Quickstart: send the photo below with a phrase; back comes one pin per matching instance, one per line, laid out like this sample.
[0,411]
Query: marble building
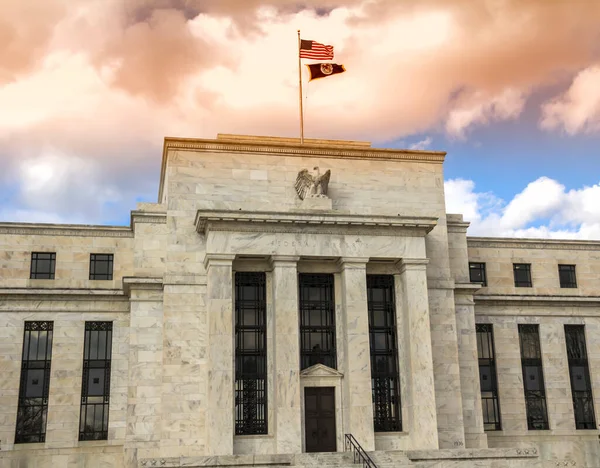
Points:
[280,296]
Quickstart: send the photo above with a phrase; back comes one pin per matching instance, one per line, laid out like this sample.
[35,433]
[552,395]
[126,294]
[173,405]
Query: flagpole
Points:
[300,91]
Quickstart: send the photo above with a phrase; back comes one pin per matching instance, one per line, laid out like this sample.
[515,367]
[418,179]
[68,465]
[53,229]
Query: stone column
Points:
[287,414]
[475,436]
[421,406]
[220,355]
[358,399]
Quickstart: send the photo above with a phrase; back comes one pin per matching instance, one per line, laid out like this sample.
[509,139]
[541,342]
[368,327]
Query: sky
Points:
[509,88]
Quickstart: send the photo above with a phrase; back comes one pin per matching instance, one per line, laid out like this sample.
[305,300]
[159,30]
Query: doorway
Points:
[319,408]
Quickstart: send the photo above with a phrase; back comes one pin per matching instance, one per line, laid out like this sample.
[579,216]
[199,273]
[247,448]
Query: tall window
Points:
[95,387]
[101,266]
[477,273]
[42,265]
[35,382]
[317,320]
[250,354]
[579,372]
[490,404]
[522,274]
[566,275]
[533,377]
[385,377]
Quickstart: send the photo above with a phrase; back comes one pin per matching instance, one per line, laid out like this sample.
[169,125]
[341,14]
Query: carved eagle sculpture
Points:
[308,185]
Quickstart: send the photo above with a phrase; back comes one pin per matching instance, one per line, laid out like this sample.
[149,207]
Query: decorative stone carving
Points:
[312,186]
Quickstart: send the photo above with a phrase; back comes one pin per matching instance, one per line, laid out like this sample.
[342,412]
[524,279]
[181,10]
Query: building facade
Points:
[280,296]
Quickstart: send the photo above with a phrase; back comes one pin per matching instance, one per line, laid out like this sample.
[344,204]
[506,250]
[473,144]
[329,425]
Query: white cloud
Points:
[422,145]
[480,109]
[542,209]
[577,110]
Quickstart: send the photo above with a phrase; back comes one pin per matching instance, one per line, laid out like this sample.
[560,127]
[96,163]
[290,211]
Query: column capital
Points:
[217,259]
[284,261]
[355,263]
[419,264]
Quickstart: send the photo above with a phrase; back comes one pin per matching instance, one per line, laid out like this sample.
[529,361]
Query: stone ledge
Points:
[59,293]
[518,299]
[472,454]
[132,282]
[299,219]
[76,230]
[521,243]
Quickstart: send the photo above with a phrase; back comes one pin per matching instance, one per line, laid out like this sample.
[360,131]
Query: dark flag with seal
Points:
[323,70]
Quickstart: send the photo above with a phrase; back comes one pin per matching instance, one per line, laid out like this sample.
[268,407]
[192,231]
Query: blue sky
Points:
[509,89]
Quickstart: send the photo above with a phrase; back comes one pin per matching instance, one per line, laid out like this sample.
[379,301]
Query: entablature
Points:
[310,222]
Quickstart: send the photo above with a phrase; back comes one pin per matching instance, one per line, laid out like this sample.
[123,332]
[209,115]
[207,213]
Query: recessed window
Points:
[566,274]
[522,274]
[477,273]
[533,377]
[43,265]
[490,404]
[579,372]
[101,266]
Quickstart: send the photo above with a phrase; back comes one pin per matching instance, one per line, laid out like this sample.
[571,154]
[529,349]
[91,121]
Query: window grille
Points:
[101,266]
[533,377]
[566,275]
[490,403]
[385,377]
[579,373]
[250,354]
[34,387]
[477,273]
[522,275]
[43,265]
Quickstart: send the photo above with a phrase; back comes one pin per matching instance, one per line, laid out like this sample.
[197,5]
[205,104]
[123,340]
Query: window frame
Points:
[522,284]
[533,397]
[94,261]
[494,423]
[482,270]
[570,271]
[34,272]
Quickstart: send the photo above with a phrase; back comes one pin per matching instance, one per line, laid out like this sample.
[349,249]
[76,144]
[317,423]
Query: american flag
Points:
[315,50]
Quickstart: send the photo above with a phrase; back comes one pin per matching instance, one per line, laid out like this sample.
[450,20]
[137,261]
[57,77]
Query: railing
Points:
[360,456]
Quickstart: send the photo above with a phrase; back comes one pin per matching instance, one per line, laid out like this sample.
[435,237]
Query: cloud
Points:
[544,208]
[577,110]
[422,145]
[102,82]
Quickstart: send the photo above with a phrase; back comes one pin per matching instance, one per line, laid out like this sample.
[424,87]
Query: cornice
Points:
[140,283]
[520,243]
[321,222]
[287,148]
[525,300]
[57,294]
[74,230]
[149,217]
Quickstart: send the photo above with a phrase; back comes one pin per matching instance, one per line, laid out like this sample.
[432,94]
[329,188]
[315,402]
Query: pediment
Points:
[320,370]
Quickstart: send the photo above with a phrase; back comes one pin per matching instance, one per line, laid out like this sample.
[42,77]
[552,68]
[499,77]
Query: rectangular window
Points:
[579,372]
[477,273]
[35,383]
[42,265]
[385,377]
[101,266]
[490,403]
[317,320]
[95,386]
[522,274]
[250,353]
[566,274]
[533,377]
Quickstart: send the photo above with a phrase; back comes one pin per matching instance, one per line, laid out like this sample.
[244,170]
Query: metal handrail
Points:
[358,452]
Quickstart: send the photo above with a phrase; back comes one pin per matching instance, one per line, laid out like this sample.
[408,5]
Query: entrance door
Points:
[319,406]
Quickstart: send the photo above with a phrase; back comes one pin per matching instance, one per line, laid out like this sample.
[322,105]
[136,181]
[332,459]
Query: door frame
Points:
[320,375]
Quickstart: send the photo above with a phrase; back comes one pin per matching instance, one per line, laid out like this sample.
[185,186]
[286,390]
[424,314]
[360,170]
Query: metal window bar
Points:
[533,377]
[35,382]
[250,354]
[385,377]
[490,402]
[95,387]
[43,265]
[522,275]
[477,273]
[317,320]
[359,454]
[101,266]
[579,373]
[566,274]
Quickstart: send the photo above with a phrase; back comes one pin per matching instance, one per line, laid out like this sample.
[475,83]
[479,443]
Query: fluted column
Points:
[358,400]
[288,416]
[422,418]
[220,379]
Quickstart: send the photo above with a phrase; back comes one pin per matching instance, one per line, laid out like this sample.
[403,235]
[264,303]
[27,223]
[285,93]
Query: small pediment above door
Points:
[320,370]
